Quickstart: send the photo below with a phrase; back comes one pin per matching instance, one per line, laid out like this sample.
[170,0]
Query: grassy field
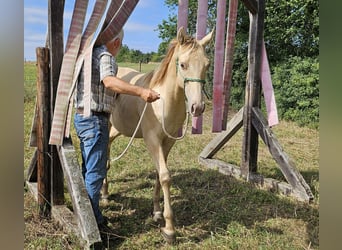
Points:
[212,211]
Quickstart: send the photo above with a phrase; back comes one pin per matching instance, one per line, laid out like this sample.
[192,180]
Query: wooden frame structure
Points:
[254,124]
[51,165]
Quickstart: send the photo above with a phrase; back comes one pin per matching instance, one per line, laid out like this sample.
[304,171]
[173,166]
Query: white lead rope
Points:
[163,127]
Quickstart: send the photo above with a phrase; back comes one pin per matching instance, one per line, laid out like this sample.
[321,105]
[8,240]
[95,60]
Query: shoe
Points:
[106,232]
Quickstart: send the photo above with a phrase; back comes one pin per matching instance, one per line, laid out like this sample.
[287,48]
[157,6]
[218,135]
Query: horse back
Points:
[134,77]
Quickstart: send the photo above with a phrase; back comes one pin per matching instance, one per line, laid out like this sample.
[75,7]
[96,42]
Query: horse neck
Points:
[171,91]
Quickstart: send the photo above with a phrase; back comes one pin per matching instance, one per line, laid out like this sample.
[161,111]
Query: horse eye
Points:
[183,66]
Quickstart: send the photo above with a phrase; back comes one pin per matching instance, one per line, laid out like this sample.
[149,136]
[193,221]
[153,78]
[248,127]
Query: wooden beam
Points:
[258,180]
[287,166]
[56,46]
[217,143]
[80,200]
[251,5]
[31,174]
[43,157]
[253,91]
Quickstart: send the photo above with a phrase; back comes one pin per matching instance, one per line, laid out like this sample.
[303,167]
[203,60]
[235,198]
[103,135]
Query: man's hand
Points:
[149,95]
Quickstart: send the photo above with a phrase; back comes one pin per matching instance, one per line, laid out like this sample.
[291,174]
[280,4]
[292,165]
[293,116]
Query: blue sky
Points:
[140,29]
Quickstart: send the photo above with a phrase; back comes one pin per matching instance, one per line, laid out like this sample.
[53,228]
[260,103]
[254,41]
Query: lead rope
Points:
[163,127]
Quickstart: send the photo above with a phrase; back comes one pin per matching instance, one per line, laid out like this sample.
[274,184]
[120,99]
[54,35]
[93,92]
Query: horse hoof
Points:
[169,237]
[158,217]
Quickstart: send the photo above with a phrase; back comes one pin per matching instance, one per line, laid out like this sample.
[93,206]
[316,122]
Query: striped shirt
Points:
[102,99]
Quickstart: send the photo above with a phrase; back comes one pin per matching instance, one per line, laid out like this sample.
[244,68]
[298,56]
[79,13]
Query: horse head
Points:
[191,66]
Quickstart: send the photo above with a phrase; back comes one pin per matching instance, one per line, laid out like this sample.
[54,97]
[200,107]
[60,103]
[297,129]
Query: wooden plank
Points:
[218,86]
[80,200]
[56,46]
[43,158]
[268,184]
[66,219]
[32,187]
[31,174]
[251,5]
[229,58]
[253,91]
[287,166]
[222,138]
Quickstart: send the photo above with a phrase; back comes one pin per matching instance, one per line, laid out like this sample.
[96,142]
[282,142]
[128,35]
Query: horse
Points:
[179,80]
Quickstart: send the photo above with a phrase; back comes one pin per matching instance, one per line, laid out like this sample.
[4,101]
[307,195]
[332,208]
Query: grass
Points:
[212,211]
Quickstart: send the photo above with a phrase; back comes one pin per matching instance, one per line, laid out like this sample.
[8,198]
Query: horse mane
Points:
[160,72]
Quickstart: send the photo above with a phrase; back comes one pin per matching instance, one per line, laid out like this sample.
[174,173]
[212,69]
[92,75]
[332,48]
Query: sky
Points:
[140,29]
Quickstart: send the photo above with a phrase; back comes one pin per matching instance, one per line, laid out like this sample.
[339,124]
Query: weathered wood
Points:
[258,180]
[56,46]
[229,58]
[287,166]
[80,200]
[218,85]
[66,219]
[217,142]
[251,5]
[31,174]
[43,158]
[60,214]
[253,91]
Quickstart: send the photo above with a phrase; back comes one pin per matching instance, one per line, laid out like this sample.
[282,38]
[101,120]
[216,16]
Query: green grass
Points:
[212,211]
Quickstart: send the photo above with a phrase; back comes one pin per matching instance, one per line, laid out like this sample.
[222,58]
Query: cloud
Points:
[134,26]
[35,15]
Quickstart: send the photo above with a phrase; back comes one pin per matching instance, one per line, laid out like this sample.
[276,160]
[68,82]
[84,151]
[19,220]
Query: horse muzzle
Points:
[197,109]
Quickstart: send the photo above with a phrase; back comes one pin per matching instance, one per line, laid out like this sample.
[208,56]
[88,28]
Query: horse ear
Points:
[206,39]
[181,35]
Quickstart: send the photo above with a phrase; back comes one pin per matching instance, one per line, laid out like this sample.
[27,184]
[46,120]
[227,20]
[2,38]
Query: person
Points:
[93,130]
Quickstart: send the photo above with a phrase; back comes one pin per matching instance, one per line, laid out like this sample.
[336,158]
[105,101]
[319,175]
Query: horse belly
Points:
[125,115]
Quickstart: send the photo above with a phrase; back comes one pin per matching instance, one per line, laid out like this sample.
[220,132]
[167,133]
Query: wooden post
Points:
[229,58]
[253,88]
[43,158]
[55,43]
[201,29]
[218,66]
[183,7]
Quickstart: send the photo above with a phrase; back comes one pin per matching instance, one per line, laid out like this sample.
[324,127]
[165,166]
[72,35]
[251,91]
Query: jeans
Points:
[94,137]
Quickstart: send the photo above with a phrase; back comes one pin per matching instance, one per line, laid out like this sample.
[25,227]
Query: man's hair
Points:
[120,36]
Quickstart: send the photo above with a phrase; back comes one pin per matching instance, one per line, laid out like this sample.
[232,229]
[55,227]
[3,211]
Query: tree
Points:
[291,30]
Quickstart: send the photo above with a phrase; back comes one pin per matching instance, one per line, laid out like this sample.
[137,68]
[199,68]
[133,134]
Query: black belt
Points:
[97,113]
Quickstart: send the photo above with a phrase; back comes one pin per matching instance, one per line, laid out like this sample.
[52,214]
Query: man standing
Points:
[93,130]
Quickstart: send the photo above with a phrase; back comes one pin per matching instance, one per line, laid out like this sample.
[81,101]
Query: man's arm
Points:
[116,84]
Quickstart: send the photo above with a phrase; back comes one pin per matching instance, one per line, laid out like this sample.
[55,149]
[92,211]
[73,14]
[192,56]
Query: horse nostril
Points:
[197,110]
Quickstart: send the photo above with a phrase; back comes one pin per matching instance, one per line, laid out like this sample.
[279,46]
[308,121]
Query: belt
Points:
[97,113]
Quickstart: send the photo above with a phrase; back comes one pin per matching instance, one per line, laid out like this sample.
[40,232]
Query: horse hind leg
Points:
[113,133]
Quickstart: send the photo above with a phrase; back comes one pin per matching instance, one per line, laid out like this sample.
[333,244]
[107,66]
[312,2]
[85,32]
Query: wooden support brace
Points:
[258,180]
[287,166]
[80,200]
[232,127]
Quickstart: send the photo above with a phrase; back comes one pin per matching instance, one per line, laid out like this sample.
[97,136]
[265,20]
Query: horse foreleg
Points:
[157,212]
[168,231]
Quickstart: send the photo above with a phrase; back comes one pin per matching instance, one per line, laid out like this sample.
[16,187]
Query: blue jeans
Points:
[94,137]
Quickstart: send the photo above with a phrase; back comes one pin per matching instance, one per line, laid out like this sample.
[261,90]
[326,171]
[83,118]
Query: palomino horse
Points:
[179,81]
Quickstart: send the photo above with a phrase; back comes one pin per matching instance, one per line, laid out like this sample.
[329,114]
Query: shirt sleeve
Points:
[108,66]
